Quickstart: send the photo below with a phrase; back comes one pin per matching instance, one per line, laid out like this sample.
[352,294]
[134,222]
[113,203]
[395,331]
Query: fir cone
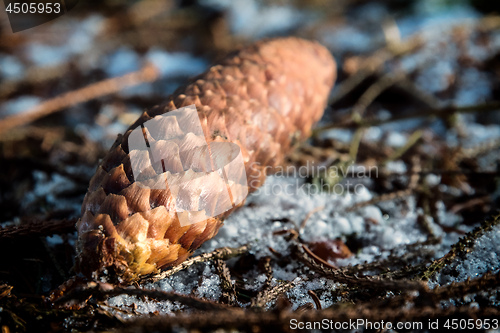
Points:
[260,99]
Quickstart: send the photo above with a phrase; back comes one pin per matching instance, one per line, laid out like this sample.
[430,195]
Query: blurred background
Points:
[447,49]
[422,77]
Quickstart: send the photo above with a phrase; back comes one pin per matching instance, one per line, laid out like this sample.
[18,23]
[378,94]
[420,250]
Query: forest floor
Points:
[393,215]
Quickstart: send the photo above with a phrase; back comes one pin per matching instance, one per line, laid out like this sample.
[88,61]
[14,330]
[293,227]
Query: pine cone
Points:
[262,98]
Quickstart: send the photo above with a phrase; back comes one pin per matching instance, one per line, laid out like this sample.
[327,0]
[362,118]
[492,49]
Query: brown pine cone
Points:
[261,98]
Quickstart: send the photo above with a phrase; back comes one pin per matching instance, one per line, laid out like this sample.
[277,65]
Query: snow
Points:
[373,134]
[437,76]
[432,180]
[435,18]
[475,88]
[10,67]
[383,229]
[210,287]
[476,134]
[256,226]
[46,55]
[484,257]
[176,63]
[342,135]
[82,38]
[372,212]
[54,240]
[396,139]
[254,19]
[396,167]
[19,105]
[49,188]
[350,39]
[122,61]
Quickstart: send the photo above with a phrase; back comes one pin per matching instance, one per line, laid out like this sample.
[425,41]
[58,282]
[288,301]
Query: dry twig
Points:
[147,74]
[222,253]
[37,229]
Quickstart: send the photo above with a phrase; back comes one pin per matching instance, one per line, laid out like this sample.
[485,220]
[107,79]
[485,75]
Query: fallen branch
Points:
[104,291]
[372,283]
[37,229]
[146,74]
[438,113]
[460,248]
[227,285]
[222,253]
[271,295]
[277,320]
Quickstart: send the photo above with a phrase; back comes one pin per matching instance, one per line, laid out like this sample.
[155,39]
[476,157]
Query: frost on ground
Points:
[382,230]
[452,66]
[484,257]
[382,234]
